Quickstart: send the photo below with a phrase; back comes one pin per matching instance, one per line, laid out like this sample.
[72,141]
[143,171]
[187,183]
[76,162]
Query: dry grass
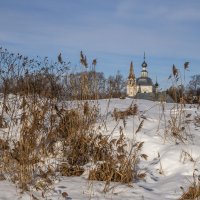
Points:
[197,120]
[130,111]
[52,134]
[193,192]
[45,137]
[47,133]
[57,138]
[119,166]
[176,126]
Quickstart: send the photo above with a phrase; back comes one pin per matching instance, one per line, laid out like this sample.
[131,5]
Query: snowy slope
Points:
[168,167]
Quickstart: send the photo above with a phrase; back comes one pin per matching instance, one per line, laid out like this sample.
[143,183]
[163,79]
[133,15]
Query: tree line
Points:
[24,76]
[39,76]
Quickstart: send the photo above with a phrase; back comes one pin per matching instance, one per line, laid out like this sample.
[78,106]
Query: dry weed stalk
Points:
[161,171]
[185,156]
[177,127]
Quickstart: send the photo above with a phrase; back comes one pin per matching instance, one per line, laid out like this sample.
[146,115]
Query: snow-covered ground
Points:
[170,164]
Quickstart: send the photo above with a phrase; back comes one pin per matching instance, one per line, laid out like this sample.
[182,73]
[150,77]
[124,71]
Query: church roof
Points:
[131,73]
[144,81]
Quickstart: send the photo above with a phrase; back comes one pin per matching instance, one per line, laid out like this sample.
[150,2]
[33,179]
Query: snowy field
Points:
[170,164]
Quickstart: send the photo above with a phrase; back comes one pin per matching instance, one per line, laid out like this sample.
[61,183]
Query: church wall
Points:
[131,91]
[145,89]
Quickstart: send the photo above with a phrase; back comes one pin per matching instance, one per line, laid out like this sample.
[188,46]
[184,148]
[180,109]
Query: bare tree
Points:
[116,85]
[194,85]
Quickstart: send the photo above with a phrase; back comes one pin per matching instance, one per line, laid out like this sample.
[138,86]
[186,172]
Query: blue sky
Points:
[115,32]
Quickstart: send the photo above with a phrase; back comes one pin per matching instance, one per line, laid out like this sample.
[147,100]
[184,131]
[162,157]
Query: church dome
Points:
[156,84]
[144,81]
[144,64]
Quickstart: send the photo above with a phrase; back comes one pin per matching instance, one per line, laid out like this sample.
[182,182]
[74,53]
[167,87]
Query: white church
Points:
[143,84]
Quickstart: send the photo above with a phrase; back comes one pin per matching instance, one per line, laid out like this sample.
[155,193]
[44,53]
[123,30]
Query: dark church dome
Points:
[144,81]
[156,84]
[144,64]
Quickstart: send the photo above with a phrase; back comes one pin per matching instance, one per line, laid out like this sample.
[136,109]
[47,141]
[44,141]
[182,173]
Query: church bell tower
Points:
[131,85]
